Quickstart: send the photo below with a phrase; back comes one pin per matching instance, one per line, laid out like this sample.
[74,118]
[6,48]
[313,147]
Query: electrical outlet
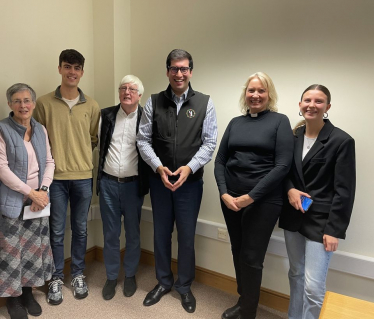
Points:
[222,234]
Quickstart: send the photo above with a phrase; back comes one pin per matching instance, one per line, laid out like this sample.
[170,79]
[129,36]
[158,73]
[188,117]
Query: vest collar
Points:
[20,129]
[169,92]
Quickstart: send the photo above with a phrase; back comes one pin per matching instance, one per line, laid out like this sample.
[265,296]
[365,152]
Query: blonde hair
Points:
[298,125]
[268,84]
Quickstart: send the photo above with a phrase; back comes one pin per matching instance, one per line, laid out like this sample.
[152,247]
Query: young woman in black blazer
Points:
[323,169]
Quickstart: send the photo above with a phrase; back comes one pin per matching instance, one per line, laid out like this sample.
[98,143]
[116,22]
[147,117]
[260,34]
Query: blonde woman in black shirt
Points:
[254,157]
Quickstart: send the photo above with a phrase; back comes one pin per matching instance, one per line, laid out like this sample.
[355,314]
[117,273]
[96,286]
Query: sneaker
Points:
[80,287]
[55,291]
[29,302]
[15,308]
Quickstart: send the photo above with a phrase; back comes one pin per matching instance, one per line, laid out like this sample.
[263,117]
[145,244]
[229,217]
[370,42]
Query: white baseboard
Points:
[349,263]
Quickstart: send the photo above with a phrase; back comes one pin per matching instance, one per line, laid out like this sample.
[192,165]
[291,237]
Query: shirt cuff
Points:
[222,190]
[253,196]
[194,165]
[155,163]
[46,182]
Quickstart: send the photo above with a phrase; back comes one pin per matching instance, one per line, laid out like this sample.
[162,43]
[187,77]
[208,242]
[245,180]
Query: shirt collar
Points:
[184,95]
[123,113]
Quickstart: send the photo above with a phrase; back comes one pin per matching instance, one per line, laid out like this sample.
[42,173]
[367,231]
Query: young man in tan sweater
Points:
[71,119]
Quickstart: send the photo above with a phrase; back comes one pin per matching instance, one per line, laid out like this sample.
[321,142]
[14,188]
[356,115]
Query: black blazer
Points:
[108,120]
[328,175]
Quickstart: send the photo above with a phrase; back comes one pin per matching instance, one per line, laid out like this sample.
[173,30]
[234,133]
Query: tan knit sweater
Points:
[72,133]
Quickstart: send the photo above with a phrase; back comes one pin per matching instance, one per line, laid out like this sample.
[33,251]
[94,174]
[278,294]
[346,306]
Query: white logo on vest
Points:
[190,113]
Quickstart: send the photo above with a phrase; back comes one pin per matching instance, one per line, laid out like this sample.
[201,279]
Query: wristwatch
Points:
[44,188]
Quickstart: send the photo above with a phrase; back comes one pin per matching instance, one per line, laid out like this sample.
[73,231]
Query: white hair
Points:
[132,79]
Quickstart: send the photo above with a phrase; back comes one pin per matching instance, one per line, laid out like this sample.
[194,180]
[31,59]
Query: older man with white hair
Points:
[122,182]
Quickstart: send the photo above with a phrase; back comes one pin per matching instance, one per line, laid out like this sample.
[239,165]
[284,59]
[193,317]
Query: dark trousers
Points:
[250,230]
[181,207]
[117,200]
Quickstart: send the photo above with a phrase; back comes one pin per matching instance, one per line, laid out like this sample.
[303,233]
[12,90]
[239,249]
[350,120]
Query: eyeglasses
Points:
[174,70]
[131,90]
[19,102]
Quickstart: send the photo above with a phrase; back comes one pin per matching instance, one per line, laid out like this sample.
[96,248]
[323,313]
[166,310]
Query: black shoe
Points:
[109,289]
[129,287]
[15,308]
[188,302]
[155,295]
[232,313]
[29,302]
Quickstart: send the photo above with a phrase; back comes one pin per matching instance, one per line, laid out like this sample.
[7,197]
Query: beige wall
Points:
[33,33]
[296,42]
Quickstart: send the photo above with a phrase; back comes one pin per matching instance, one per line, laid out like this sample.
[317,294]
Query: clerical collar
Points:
[257,114]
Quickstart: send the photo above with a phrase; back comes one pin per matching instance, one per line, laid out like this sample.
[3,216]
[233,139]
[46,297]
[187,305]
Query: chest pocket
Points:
[165,125]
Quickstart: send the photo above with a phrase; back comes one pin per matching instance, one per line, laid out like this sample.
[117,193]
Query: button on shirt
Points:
[122,157]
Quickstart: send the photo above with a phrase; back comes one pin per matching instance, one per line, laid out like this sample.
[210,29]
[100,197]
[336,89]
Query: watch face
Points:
[44,188]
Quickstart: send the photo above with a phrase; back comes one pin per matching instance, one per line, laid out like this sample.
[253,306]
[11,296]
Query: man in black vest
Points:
[122,182]
[177,137]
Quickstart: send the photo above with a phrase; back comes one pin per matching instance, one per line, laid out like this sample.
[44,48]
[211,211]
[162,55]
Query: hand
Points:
[35,208]
[39,198]
[243,201]
[165,173]
[230,202]
[294,198]
[183,173]
[330,243]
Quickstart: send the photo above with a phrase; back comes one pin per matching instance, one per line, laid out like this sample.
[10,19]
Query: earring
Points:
[325,115]
[300,114]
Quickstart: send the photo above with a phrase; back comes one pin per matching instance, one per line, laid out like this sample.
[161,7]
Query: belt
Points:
[121,179]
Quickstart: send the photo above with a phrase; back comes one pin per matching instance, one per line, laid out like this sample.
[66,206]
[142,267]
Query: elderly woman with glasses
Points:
[254,157]
[26,171]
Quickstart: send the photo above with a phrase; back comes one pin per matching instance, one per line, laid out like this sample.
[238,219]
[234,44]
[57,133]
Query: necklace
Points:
[309,142]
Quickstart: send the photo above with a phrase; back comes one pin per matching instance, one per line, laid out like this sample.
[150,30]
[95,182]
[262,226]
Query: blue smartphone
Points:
[305,202]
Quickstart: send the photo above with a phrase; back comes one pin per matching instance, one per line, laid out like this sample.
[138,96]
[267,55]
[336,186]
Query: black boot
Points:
[15,308]
[29,302]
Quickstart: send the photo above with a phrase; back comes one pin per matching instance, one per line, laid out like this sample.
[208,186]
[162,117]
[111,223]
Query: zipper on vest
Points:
[175,143]
[170,123]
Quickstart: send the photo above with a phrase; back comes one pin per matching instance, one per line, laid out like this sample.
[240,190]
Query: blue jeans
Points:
[309,263]
[181,207]
[117,200]
[79,192]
